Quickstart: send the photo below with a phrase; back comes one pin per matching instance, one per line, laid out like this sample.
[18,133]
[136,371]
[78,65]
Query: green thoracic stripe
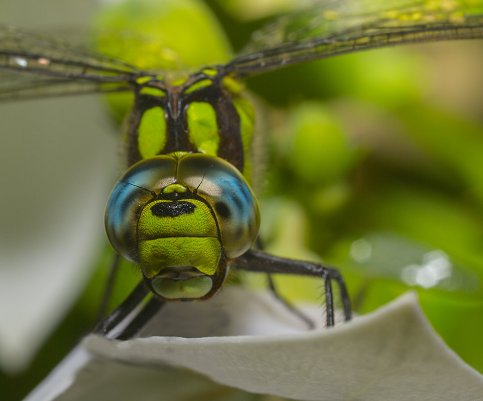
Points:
[210,117]
[203,129]
[246,113]
[152,132]
[198,85]
[152,92]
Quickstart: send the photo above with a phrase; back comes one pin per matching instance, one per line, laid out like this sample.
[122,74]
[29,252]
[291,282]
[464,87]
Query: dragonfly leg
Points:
[134,299]
[273,289]
[258,261]
[143,317]
[109,286]
[287,304]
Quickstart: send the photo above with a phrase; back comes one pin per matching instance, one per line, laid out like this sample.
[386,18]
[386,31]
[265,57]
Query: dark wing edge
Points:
[33,66]
[354,33]
[44,88]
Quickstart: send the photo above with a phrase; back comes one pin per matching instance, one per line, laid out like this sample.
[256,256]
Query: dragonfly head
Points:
[182,217]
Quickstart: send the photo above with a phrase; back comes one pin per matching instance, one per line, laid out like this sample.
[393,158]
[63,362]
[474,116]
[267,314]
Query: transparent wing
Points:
[334,27]
[34,66]
[16,87]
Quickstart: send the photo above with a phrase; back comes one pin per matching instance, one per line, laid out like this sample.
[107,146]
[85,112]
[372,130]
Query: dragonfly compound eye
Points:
[181,217]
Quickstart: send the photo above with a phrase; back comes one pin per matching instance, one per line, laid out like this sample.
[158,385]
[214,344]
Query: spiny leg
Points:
[258,261]
[344,294]
[287,304]
[293,309]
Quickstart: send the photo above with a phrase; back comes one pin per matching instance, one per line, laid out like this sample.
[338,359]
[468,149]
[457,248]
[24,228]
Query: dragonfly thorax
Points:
[205,113]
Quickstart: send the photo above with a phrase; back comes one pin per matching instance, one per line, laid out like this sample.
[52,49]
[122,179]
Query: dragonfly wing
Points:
[344,26]
[35,66]
[17,87]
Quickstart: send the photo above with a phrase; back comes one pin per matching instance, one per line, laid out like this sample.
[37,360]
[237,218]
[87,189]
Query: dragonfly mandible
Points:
[188,194]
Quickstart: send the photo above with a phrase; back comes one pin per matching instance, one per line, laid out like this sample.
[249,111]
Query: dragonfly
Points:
[184,210]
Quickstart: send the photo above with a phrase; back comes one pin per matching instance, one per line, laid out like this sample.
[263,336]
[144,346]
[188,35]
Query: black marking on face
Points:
[172,209]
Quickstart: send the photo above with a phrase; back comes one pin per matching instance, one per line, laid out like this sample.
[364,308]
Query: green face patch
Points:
[165,253]
[178,234]
[164,218]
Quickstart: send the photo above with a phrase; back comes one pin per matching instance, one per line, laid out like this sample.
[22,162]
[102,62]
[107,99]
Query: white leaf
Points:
[391,354]
[57,169]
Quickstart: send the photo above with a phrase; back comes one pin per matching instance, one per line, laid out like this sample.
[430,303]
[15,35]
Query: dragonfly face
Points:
[182,216]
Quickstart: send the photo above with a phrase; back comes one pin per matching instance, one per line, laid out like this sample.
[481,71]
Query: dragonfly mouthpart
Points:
[181,283]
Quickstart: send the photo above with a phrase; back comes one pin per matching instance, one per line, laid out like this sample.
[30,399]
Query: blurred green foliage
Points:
[372,172]
[366,169]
